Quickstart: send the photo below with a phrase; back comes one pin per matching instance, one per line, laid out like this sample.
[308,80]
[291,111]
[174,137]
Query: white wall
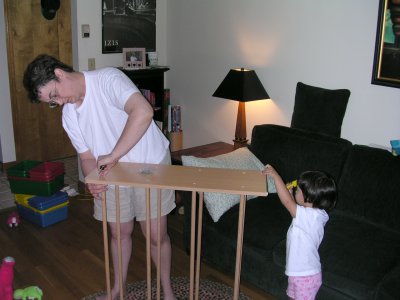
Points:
[319,42]
[6,125]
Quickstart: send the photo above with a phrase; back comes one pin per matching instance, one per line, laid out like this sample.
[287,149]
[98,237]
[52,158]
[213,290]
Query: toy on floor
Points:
[29,293]
[13,219]
[6,278]
[70,191]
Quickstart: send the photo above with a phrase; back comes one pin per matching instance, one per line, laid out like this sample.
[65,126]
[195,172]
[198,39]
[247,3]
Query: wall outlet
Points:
[91,64]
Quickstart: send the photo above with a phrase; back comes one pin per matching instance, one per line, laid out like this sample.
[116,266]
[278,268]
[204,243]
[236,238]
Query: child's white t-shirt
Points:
[97,124]
[303,239]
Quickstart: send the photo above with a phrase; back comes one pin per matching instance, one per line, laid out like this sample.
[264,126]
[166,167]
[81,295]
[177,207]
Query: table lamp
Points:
[241,85]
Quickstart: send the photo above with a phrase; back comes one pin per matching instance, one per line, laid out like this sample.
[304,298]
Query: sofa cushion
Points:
[369,186]
[357,255]
[319,110]
[292,151]
[389,286]
[218,203]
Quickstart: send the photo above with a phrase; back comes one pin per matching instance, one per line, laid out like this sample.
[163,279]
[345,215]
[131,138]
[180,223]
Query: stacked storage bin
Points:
[36,186]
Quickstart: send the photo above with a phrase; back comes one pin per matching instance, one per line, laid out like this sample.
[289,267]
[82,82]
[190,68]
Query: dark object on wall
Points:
[319,110]
[49,8]
[386,67]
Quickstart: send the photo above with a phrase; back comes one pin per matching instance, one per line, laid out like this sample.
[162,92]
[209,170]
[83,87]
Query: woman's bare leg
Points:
[165,244]
[126,249]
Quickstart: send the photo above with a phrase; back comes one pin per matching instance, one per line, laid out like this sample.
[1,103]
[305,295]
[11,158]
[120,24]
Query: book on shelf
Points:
[151,97]
[165,113]
[174,120]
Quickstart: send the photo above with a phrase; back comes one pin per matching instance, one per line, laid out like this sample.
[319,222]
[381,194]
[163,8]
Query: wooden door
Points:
[38,131]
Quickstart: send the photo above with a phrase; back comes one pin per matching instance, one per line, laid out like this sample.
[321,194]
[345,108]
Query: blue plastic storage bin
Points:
[43,202]
[44,219]
[43,211]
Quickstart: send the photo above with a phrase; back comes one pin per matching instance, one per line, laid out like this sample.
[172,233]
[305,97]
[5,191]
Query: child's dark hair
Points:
[319,188]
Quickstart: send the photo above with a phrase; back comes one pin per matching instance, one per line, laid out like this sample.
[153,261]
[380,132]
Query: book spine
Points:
[176,118]
[150,96]
[166,104]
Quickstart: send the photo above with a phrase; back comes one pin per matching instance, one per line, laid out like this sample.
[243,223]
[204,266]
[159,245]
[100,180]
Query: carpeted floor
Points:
[209,290]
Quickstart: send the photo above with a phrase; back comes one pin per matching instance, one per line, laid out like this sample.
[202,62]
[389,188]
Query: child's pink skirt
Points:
[304,287]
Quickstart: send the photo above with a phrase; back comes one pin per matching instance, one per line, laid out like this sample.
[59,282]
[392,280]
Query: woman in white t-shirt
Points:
[307,202]
[108,120]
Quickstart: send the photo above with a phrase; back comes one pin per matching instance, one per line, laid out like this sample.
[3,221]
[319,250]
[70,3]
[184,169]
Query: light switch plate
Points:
[85,30]
[91,64]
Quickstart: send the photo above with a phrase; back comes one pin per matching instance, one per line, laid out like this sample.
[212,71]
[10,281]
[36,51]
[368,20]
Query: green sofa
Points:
[360,252]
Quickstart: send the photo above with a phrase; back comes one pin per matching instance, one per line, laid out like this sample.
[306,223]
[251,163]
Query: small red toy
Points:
[6,278]
[13,219]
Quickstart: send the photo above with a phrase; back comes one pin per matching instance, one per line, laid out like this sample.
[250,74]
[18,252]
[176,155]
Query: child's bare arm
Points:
[284,195]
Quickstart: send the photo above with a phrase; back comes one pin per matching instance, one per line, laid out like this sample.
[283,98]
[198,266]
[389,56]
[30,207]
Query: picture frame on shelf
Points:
[134,58]
[386,67]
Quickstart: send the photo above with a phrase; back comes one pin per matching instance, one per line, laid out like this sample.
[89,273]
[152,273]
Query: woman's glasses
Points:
[52,104]
[53,98]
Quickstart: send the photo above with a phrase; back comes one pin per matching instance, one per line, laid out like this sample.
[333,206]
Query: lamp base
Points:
[240,133]
[239,143]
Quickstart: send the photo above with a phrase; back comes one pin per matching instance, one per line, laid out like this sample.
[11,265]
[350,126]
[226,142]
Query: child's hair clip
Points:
[291,185]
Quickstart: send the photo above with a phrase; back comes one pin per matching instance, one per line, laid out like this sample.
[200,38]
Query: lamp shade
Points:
[241,85]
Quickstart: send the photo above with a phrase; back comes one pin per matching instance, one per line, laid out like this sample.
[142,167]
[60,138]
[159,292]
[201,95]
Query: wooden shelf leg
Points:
[148,239]
[105,241]
[158,244]
[118,220]
[239,246]
[192,245]
[198,254]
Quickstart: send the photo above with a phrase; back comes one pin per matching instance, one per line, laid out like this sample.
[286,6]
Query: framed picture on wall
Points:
[128,22]
[386,67]
[134,58]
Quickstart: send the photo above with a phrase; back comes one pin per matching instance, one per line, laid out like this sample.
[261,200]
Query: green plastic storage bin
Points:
[22,169]
[39,188]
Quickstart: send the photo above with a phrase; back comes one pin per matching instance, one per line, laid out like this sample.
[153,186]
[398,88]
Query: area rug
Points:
[209,290]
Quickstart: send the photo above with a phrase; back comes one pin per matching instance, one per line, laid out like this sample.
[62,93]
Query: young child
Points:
[308,204]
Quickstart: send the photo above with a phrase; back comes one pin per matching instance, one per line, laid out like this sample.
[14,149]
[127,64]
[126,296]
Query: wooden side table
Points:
[204,151]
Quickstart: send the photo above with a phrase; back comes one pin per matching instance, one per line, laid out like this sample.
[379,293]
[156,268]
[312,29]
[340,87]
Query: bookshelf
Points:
[151,79]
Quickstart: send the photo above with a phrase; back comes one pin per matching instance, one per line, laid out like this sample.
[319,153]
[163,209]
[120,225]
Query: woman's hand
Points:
[97,189]
[88,164]
[105,163]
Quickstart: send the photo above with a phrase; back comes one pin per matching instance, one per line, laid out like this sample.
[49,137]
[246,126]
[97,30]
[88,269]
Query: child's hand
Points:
[269,170]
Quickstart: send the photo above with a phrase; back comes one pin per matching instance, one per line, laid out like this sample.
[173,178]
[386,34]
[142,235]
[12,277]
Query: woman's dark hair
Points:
[319,188]
[39,72]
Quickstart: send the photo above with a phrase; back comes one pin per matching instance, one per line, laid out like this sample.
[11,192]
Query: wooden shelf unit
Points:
[194,179]
[150,79]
